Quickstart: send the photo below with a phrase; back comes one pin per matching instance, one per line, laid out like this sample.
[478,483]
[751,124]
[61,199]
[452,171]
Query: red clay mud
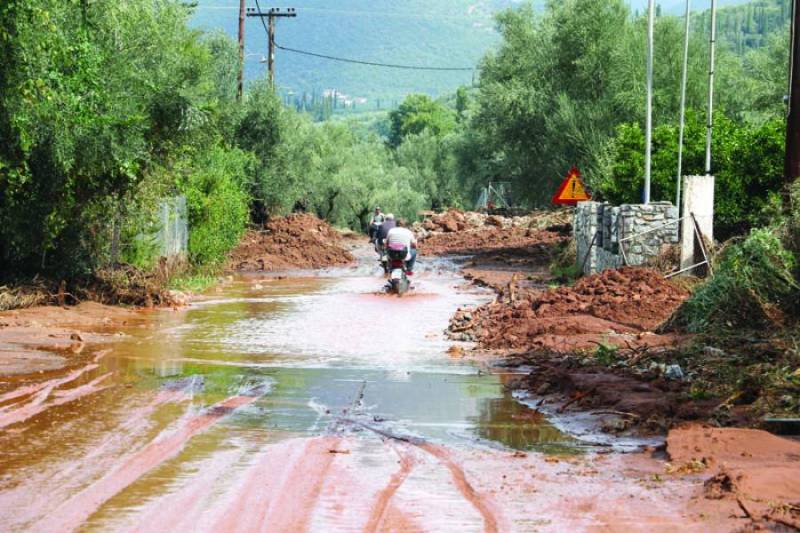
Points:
[649,403]
[38,342]
[616,307]
[755,469]
[463,243]
[72,513]
[299,241]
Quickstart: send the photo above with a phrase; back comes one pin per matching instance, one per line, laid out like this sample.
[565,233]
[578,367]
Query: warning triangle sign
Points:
[572,189]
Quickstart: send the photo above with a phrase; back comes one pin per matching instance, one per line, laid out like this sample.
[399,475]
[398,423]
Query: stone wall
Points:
[639,230]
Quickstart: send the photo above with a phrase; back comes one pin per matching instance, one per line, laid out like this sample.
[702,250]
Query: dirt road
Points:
[312,403]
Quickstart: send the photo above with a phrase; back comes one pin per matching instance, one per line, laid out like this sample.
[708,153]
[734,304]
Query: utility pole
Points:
[271,14]
[684,77]
[240,80]
[713,47]
[648,148]
[792,162]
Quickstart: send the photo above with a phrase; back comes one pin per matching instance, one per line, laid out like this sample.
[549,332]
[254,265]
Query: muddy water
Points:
[179,411]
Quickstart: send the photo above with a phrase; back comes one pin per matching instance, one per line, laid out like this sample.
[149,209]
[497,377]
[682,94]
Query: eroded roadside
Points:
[601,365]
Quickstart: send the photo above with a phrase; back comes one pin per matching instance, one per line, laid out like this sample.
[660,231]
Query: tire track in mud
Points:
[75,511]
[287,503]
[463,485]
[443,456]
[41,392]
[39,403]
[379,511]
[72,475]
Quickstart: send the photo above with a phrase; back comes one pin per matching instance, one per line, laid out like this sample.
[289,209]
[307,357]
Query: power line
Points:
[372,63]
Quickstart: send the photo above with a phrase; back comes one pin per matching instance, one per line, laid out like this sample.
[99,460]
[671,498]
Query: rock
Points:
[674,372]
[177,298]
[716,352]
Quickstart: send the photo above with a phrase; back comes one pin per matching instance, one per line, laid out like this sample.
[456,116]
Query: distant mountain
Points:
[674,7]
[439,33]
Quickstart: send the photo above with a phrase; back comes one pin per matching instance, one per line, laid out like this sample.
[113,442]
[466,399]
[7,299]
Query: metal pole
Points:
[271,57]
[240,80]
[648,149]
[792,162]
[710,125]
[684,79]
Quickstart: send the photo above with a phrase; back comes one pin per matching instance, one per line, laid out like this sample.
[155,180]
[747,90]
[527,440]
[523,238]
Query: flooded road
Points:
[278,404]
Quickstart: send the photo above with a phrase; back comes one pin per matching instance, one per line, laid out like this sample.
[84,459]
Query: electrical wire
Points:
[372,63]
[357,61]
[262,18]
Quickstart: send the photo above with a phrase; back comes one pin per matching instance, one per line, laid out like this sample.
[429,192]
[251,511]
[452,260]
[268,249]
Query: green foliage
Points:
[748,165]
[417,114]
[752,280]
[93,96]
[567,87]
[217,202]
[607,354]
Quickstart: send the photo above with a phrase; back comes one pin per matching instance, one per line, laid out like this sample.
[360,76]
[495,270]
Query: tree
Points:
[419,113]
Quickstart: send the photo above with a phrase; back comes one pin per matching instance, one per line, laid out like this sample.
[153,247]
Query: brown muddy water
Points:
[183,418]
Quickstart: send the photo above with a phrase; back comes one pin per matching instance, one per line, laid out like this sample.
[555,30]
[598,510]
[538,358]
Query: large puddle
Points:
[258,362]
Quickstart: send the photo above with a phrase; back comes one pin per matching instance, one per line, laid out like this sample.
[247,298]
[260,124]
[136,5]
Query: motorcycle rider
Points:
[375,223]
[401,235]
[388,224]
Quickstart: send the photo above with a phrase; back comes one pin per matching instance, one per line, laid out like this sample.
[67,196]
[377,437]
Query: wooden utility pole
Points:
[240,80]
[271,14]
[791,170]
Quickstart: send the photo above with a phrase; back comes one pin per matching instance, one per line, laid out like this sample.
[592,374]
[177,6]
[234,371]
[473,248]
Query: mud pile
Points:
[458,232]
[295,241]
[472,242]
[616,307]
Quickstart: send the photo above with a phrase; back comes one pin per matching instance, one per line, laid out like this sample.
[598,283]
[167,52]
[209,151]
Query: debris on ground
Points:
[298,241]
[613,308]
[455,220]
[120,284]
[456,232]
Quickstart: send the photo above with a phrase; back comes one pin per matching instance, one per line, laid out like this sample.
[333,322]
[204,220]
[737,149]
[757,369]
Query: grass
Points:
[193,282]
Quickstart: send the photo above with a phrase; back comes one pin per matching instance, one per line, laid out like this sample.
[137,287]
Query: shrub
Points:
[752,287]
[217,202]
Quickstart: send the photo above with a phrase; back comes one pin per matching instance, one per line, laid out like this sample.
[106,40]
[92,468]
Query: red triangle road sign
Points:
[572,189]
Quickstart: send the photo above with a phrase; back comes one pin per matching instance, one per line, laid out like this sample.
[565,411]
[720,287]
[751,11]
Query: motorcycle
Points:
[383,257]
[398,278]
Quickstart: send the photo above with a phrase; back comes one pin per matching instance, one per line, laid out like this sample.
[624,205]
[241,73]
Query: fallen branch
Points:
[578,397]
[616,413]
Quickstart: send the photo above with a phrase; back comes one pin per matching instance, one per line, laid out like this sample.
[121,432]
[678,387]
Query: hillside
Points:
[444,33]
[441,33]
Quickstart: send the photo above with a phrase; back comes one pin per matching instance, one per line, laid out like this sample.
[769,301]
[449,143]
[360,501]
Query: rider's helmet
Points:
[389,216]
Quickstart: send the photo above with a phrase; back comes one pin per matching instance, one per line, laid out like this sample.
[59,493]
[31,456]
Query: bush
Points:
[217,202]
[747,165]
[753,286]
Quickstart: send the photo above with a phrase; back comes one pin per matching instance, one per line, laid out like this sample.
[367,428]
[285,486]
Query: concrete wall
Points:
[640,230]
[698,200]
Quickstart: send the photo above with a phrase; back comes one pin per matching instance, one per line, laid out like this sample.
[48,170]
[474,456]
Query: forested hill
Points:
[440,33]
[748,25]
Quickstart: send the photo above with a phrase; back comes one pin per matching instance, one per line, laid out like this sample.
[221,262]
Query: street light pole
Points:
[684,78]
[710,124]
[648,149]
[792,163]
